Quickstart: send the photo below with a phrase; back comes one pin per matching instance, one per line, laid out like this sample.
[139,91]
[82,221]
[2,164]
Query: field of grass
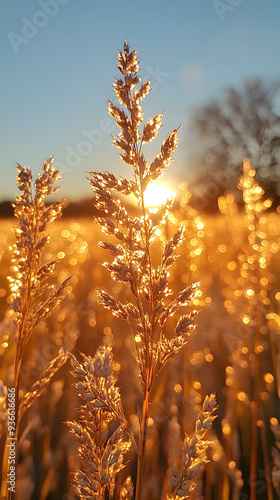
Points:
[140,349]
[211,361]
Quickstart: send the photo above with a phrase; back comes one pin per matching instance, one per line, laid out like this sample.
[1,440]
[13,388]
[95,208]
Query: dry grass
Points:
[153,302]
[32,295]
[142,411]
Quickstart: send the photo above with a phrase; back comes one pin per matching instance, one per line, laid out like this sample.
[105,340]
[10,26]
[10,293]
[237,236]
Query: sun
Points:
[156,194]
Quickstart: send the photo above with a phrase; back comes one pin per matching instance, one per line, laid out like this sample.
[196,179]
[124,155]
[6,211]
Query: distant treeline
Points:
[85,208]
[72,209]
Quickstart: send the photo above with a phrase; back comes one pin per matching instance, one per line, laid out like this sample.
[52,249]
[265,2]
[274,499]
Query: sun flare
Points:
[156,194]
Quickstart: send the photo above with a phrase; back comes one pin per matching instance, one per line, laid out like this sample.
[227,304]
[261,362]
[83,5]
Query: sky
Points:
[58,63]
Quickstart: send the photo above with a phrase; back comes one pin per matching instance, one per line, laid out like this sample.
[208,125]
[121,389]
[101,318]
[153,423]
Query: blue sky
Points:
[58,63]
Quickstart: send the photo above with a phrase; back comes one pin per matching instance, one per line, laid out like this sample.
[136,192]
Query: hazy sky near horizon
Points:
[58,63]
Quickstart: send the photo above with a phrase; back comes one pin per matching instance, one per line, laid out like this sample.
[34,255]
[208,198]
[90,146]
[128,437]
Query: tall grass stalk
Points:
[254,207]
[247,299]
[152,302]
[33,296]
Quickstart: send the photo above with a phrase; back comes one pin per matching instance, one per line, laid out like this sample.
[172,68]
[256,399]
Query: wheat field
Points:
[140,354]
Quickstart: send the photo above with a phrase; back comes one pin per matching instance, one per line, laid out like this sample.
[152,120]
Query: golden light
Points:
[226,428]
[156,194]
[229,369]
[242,396]
[178,388]
[268,378]
[246,320]
[150,422]
[264,396]
[65,233]
[222,248]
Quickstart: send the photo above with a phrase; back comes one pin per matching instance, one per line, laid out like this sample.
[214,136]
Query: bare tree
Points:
[242,124]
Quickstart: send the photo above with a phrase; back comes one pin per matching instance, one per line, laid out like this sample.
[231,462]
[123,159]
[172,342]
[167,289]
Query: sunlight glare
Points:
[157,194]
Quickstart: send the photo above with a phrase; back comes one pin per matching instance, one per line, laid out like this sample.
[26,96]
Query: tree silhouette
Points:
[243,124]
